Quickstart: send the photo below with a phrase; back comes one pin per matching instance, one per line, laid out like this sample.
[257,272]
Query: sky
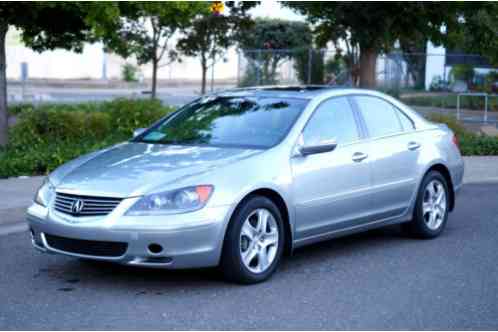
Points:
[273,9]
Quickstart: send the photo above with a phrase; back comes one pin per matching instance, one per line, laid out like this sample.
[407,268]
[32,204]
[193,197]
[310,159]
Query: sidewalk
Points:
[480,169]
[17,193]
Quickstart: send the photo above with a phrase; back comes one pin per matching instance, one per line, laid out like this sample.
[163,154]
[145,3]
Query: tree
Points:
[375,27]
[309,66]
[347,50]
[477,30]
[210,34]
[414,50]
[43,26]
[144,30]
[268,43]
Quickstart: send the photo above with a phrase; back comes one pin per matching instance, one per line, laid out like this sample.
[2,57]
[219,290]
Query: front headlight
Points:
[171,202]
[44,193]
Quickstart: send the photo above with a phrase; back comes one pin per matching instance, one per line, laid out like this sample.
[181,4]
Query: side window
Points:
[380,116]
[332,120]
[405,121]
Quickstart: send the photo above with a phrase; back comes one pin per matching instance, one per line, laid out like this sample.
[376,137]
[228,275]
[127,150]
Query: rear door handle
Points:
[413,146]
[359,156]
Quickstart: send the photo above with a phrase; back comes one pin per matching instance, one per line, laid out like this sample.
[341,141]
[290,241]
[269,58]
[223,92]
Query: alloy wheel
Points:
[259,240]
[434,205]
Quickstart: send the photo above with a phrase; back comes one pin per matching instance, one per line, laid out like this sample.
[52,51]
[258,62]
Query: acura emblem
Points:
[77,206]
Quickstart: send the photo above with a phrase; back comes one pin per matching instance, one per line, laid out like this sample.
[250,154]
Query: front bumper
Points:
[187,241]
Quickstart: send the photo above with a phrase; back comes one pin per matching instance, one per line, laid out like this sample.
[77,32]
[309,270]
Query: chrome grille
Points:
[89,206]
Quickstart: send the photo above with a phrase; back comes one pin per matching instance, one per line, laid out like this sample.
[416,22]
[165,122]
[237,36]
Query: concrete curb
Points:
[480,181]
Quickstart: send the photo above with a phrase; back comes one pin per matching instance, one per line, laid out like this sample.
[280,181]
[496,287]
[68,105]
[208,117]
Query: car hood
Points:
[133,169]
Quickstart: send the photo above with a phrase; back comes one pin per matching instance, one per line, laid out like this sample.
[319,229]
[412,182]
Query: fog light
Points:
[155,248]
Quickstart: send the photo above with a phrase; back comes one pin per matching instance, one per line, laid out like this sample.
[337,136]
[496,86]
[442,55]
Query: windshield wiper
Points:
[157,142]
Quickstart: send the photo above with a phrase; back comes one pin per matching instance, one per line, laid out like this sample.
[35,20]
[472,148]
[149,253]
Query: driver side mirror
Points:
[321,147]
[138,132]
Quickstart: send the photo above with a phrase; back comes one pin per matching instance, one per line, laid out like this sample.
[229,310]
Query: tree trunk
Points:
[154,79]
[204,73]
[368,61]
[4,117]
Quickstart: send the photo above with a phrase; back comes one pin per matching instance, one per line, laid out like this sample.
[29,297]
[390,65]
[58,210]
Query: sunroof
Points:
[296,88]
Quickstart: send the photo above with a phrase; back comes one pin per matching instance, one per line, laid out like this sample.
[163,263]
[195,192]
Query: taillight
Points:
[455,141]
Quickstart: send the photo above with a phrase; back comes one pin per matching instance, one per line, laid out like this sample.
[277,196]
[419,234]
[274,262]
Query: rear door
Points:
[394,155]
[331,189]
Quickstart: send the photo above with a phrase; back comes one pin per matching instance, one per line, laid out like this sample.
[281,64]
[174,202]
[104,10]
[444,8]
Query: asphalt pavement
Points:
[171,95]
[375,280]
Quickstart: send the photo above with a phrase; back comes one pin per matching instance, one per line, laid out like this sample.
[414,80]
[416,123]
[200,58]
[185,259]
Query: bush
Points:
[128,115]
[335,66]
[254,75]
[19,108]
[463,73]
[490,82]
[129,72]
[478,145]
[50,135]
[450,121]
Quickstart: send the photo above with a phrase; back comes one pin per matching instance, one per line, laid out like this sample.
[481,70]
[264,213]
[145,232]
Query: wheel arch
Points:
[279,201]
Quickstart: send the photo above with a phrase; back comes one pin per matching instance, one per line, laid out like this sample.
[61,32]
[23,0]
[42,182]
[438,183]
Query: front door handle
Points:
[413,146]
[359,156]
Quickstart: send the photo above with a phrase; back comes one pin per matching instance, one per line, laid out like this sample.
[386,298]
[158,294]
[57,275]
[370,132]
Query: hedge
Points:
[47,136]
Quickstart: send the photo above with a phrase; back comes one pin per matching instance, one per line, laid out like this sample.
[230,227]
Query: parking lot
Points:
[376,280]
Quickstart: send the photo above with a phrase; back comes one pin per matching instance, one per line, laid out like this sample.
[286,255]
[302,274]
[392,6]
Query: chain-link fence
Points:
[301,66]
[396,70]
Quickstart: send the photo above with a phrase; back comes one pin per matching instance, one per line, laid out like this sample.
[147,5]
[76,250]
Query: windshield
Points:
[228,121]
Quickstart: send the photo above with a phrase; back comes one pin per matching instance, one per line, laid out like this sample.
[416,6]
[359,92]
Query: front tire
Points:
[254,242]
[432,207]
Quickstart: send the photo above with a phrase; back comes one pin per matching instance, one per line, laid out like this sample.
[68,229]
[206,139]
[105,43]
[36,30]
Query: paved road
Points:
[171,95]
[376,280]
[80,97]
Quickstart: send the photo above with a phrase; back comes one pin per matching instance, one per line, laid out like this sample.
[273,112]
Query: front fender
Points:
[282,191]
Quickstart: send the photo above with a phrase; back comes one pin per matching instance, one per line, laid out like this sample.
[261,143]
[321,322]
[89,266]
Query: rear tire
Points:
[431,208]
[254,242]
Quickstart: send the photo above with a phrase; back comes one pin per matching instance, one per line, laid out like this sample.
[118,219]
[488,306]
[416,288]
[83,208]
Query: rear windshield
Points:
[257,122]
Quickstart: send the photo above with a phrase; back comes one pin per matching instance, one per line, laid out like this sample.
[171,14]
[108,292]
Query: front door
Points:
[331,189]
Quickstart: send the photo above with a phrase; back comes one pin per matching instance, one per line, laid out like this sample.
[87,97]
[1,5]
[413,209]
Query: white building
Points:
[93,63]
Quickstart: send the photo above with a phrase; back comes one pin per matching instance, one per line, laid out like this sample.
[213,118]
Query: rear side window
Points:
[405,121]
[380,116]
[332,120]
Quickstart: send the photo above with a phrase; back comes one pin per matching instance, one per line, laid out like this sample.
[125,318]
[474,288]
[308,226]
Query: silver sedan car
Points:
[236,179]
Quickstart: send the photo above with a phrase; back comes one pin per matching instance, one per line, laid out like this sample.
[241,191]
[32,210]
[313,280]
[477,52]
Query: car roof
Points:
[282,91]
[310,92]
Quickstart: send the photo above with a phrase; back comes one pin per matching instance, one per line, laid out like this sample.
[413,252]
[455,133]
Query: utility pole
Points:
[104,64]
